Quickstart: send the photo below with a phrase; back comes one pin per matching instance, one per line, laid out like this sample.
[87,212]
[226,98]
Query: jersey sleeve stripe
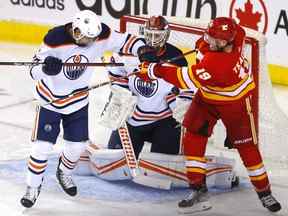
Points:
[194,84]
[187,78]
[136,42]
[216,97]
[230,88]
[128,44]
[180,77]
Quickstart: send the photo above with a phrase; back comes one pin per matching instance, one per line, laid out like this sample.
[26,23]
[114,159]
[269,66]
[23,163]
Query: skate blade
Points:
[197,207]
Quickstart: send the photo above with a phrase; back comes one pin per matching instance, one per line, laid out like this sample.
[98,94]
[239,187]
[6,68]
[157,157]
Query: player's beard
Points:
[85,41]
[216,48]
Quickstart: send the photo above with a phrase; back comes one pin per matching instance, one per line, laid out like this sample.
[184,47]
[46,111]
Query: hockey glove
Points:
[52,66]
[146,71]
[147,53]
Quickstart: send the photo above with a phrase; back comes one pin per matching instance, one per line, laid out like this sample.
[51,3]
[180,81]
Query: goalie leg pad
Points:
[109,164]
[220,170]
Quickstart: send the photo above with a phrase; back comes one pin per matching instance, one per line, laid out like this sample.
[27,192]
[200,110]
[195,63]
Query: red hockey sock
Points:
[252,160]
[194,150]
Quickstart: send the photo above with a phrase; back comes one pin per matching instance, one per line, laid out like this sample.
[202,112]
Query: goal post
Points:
[271,122]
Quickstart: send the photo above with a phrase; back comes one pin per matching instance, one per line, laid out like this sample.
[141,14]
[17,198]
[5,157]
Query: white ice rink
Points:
[96,197]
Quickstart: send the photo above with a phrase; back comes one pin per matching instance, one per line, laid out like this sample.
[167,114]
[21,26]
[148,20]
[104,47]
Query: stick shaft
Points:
[180,56]
[88,64]
[79,92]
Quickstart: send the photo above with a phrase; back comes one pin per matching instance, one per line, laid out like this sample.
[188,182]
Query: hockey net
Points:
[271,122]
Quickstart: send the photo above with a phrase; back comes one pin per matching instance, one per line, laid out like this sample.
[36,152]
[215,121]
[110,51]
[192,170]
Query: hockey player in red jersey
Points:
[225,92]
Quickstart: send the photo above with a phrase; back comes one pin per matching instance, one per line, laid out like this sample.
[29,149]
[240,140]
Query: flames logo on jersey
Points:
[146,89]
[75,71]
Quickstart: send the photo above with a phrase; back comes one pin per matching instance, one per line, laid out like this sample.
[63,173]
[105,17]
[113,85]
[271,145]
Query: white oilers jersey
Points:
[154,99]
[71,79]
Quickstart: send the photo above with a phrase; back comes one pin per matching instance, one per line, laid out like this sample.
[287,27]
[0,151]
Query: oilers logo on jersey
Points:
[75,71]
[146,89]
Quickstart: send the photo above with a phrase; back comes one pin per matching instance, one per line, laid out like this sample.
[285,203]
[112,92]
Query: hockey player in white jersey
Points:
[81,41]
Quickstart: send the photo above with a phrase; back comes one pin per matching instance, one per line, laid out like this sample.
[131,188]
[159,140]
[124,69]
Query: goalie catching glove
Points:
[182,105]
[118,109]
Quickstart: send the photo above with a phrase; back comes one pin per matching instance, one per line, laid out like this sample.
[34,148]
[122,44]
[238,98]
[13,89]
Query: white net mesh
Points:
[273,123]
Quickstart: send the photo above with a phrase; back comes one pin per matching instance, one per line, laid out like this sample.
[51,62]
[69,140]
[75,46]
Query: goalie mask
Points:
[86,26]
[156,31]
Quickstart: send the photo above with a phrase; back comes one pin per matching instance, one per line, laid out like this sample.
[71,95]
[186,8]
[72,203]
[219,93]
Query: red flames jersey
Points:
[221,77]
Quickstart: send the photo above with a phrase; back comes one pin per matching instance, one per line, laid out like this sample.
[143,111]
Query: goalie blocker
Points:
[110,165]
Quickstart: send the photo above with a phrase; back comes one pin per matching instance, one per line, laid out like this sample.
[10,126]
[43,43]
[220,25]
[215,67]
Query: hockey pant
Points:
[44,136]
[239,121]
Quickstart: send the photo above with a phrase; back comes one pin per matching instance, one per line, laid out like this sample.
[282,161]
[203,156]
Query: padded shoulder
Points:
[105,33]
[58,36]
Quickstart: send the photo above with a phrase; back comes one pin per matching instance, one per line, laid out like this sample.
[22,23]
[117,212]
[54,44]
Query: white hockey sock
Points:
[70,155]
[37,162]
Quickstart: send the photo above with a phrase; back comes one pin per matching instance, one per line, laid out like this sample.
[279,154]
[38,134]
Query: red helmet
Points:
[222,28]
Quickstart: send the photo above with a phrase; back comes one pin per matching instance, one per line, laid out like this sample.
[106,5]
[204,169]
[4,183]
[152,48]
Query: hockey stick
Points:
[133,165]
[85,90]
[78,93]
[171,60]
[88,64]
[179,56]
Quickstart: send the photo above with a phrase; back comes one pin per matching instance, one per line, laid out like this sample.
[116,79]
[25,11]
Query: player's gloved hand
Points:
[52,66]
[146,71]
[147,53]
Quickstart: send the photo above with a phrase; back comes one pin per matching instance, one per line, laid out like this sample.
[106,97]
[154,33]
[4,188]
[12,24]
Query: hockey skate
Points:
[30,197]
[269,202]
[196,201]
[66,182]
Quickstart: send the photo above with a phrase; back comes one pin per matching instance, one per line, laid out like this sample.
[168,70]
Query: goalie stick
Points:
[133,165]
[181,147]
